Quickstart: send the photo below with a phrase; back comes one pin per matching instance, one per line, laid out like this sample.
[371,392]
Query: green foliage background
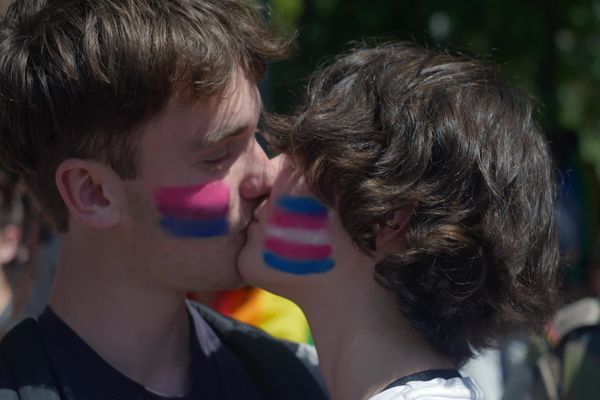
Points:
[551,48]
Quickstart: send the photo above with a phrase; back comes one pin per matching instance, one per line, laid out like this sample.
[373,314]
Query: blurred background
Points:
[549,48]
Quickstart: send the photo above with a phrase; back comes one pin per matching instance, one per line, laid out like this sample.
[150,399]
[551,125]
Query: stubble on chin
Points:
[215,267]
[249,259]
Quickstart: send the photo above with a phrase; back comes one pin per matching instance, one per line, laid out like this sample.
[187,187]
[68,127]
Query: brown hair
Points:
[77,77]
[403,126]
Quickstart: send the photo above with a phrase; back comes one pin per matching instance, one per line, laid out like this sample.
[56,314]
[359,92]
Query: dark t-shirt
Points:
[83,375]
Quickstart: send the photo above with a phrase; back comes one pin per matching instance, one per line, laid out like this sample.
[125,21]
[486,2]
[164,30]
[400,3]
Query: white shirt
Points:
[435,389]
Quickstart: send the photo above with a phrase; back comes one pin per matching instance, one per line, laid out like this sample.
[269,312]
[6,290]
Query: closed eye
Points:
[216,160]
[227,152]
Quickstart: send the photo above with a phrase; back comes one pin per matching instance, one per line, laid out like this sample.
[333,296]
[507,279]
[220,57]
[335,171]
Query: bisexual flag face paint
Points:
[297,239]
[197,211]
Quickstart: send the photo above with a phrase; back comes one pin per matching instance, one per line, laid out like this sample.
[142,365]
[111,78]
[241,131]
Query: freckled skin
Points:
[207,200]
[195,211]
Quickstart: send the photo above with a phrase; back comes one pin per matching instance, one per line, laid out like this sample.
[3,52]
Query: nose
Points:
[260,175]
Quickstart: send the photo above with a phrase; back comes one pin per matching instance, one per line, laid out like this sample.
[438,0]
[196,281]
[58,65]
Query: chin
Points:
[255,273]
[226,280]
[246,266]
[253,270]
[233,282]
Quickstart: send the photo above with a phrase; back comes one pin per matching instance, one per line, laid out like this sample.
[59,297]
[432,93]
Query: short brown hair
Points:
[77,77]
[404,126]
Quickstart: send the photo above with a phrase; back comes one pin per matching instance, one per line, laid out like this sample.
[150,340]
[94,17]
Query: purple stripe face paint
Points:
[197,211]
[297,238]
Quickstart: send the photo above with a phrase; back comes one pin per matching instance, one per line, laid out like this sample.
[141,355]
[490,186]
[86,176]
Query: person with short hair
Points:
[133,124]
[412,219]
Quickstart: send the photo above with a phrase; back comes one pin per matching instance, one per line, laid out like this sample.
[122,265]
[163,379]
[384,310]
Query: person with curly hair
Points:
[412,219]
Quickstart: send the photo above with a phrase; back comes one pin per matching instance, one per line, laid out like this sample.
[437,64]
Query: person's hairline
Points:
[183,97]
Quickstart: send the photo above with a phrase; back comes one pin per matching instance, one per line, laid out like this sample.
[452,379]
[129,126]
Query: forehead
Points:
[238,105]
[186,122]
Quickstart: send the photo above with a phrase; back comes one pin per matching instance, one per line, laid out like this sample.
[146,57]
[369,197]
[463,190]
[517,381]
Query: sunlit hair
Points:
[77,77]
[401,126]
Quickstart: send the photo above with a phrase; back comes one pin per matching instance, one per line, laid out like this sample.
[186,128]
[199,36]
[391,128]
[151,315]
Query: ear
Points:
[89,189]
[391,236]
[10,239]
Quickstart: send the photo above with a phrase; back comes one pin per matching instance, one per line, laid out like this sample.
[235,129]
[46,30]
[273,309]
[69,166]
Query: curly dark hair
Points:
[79,77]
[399,126]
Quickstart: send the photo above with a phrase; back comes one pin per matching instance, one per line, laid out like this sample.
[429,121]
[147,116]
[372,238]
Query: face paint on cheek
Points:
[297,240]
[197,211]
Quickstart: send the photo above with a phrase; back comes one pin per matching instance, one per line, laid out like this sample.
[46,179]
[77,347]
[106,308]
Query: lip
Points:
[258,209]
[246,226]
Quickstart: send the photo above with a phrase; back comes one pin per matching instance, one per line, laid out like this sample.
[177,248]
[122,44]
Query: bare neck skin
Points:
[362,341]
[6,292]
[141,331]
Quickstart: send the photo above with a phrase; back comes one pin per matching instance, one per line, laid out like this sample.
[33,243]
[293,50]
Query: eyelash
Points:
[232,148]
[217,162]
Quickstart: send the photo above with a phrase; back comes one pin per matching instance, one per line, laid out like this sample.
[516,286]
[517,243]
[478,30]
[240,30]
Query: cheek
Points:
[297,237]
[197,211]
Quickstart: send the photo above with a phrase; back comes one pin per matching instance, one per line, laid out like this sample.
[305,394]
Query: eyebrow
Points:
[214,138]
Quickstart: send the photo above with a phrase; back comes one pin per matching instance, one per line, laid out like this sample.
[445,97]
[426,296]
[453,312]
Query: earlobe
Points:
[392,235]
[88,188]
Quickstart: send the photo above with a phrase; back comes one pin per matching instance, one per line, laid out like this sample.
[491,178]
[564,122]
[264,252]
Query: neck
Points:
[140,330]
[370,346]
[6,292]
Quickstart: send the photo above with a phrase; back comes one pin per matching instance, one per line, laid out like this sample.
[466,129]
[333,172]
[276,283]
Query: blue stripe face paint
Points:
[298,267]
[194,228]
[302,205]
[295,243]
[196,211]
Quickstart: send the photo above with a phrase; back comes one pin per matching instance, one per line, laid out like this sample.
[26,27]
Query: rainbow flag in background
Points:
[275,315]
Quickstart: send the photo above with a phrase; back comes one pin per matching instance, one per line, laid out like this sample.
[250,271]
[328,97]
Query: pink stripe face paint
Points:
[286,219]
[297,237]
[194,211]
[209,200]
[297,251]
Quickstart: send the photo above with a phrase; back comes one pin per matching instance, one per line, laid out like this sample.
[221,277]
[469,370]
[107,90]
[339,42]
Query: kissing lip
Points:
[246,225]
[258,209]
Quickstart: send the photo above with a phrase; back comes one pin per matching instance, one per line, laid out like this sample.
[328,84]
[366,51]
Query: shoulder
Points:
[292,365]
[582,314]
[571,364]
[25,370]
[439,388]
[7,384]
[236,335]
